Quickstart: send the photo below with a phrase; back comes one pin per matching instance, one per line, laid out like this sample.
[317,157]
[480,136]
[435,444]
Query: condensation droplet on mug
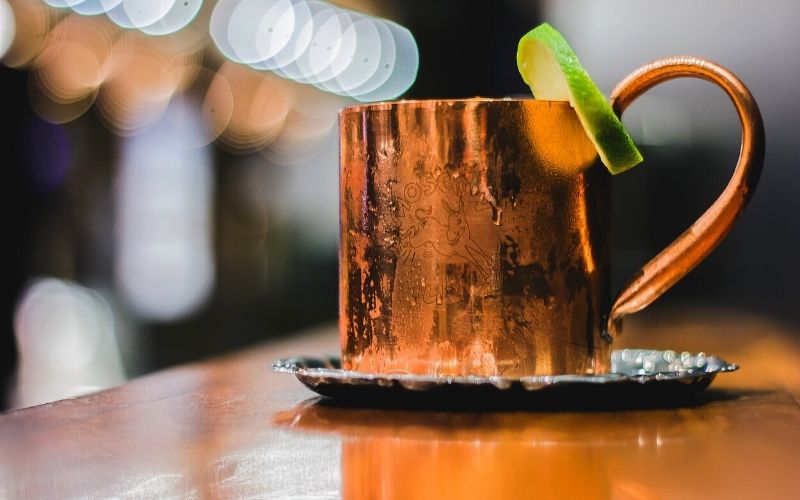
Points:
[488,363]
[497,215]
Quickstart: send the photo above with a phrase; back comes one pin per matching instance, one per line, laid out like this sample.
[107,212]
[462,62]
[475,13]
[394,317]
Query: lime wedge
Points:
[552,70]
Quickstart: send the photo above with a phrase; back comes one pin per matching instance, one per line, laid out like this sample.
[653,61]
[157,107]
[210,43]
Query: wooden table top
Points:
[228,428]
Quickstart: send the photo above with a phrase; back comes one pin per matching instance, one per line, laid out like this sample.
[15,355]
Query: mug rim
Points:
[429,103]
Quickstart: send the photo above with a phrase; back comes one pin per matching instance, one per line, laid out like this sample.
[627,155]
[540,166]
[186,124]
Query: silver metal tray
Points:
[638,378]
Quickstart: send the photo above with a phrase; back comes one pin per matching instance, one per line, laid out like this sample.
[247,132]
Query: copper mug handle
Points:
[691,247]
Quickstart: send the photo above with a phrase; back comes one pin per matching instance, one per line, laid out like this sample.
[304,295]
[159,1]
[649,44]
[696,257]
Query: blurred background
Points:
[173,183]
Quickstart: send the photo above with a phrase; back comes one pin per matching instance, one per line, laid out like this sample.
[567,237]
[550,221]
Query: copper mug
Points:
[475,233]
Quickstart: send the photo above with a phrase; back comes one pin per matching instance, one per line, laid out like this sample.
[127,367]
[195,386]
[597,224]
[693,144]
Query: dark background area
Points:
[466,49]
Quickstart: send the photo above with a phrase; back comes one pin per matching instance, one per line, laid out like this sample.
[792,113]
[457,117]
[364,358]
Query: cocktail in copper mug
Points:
[475,233]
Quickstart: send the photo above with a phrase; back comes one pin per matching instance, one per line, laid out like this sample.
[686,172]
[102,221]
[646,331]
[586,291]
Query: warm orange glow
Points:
[82,60]
[143,74]
[380,467]
[259,103]
[308,124]
[313,113]
[217,104]
[534,454]
[72,63]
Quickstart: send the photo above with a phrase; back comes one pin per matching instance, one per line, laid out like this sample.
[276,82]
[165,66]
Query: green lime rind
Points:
[614,146]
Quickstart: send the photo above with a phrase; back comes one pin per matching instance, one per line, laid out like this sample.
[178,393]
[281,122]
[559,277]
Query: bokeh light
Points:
[179,16]
[146,12]
[66,341]
[44,105]
[94,7]
[310,122]
[258,30]
[129,58]
[33,21]
[339,51]
[73,60]
[62,3]
[259,104]
[298,39]
[154,17]
[143,76]
[164,265]
[277,92]
[7,27]
[321,31]
[402,72]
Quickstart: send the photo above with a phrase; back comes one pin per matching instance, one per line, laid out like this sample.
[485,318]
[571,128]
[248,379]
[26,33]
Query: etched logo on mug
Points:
[435,215]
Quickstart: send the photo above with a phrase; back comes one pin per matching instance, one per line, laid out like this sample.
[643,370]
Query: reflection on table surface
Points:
[637,454]
[229,429]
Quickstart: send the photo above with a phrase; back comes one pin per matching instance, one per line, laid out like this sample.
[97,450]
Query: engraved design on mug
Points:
[438,202]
